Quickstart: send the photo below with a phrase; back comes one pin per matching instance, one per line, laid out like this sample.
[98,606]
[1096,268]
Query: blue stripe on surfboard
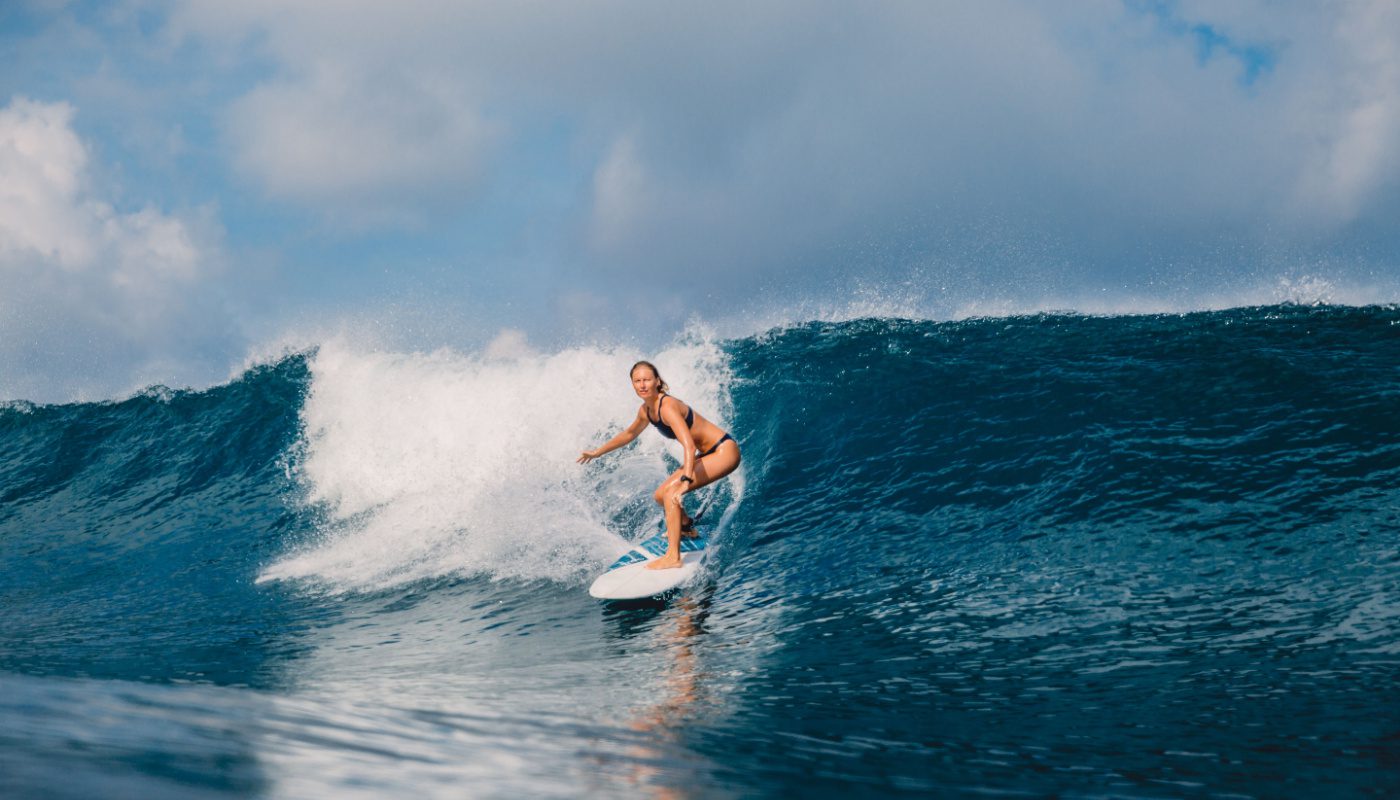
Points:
[654,546]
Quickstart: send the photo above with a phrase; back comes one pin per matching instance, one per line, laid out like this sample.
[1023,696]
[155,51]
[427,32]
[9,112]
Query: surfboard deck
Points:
[629,579]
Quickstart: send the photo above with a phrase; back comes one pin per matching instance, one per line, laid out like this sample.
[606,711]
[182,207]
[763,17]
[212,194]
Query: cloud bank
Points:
[346,140]
[92,295]
[728,137]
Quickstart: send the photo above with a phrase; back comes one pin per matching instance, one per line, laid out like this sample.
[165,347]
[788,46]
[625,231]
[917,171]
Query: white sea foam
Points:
[442,463]
[921,297]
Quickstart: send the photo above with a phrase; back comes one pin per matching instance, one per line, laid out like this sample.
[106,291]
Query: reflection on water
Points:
[403,693]
[662,767]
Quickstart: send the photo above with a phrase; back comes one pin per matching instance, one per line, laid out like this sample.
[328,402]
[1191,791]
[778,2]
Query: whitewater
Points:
[1128,555]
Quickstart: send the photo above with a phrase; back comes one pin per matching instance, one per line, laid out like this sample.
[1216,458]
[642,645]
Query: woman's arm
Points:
[630,433]
[672,416]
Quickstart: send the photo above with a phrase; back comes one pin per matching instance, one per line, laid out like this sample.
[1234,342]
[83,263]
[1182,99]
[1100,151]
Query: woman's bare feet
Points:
[665,562]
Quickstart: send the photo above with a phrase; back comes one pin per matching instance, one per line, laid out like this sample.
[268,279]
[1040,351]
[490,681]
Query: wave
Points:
[401,467]
[937,295]
[426,465]
[954,535]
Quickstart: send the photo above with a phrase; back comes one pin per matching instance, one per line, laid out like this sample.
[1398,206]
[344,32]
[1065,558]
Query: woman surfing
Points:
[709,453]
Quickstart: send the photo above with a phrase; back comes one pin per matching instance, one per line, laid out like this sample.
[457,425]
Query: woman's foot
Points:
[688,529]
[665,562]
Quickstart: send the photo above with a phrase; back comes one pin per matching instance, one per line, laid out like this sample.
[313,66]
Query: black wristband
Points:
[687,479]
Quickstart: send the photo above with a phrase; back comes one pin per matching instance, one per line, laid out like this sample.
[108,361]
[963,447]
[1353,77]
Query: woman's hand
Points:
[687,483]
[587,456]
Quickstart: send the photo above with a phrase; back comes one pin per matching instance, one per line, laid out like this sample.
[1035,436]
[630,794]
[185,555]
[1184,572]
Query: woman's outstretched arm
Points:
[630,433]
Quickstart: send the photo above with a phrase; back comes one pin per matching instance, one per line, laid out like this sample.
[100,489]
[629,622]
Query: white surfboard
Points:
[629,579]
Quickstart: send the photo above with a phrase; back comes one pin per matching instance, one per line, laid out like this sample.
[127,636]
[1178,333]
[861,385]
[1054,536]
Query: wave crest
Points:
[432,464]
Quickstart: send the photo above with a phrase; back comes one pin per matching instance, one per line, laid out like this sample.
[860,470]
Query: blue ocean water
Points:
[1130,556]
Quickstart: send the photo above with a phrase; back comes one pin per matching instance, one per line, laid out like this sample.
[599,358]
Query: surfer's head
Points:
[641,372]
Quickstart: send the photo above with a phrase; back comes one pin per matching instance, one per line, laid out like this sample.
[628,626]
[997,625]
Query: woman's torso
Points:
[705,433]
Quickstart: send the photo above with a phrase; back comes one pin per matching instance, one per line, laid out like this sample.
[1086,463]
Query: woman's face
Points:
[644,382]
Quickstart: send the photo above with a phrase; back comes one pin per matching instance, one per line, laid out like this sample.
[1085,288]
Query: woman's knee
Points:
[671,496]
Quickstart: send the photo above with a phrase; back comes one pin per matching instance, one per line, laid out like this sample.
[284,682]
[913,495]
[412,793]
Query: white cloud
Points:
[369,118]
[741,139]
[1360,152]
[41,163]
[350,137]
[90,296]
[51,219]
[619,195]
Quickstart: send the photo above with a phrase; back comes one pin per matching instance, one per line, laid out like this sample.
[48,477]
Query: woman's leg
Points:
[716,465]
[687,524]
[708,469]
[672,558]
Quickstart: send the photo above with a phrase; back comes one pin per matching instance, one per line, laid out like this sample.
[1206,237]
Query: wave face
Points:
[1054,554]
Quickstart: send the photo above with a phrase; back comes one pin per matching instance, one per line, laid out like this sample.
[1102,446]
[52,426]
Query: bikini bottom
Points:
[722,440]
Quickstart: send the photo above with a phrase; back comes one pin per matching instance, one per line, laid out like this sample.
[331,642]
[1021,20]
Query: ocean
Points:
[1152,555]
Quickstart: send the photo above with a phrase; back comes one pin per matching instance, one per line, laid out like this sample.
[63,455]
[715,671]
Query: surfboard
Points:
[629,579]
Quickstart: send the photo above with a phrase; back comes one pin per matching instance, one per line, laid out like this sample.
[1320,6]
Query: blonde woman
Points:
[709,453]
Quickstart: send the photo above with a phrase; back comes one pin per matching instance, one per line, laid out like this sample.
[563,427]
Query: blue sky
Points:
[186,184]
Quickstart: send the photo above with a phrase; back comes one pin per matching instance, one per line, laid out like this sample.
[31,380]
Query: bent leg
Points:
[687,524]
[716,465]
[708,469]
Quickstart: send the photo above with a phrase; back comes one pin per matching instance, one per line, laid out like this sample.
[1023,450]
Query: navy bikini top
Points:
[663,427]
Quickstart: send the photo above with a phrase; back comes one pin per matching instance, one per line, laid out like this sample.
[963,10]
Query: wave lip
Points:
[929,299]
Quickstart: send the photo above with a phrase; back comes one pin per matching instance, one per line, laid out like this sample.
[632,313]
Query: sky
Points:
[187,187]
